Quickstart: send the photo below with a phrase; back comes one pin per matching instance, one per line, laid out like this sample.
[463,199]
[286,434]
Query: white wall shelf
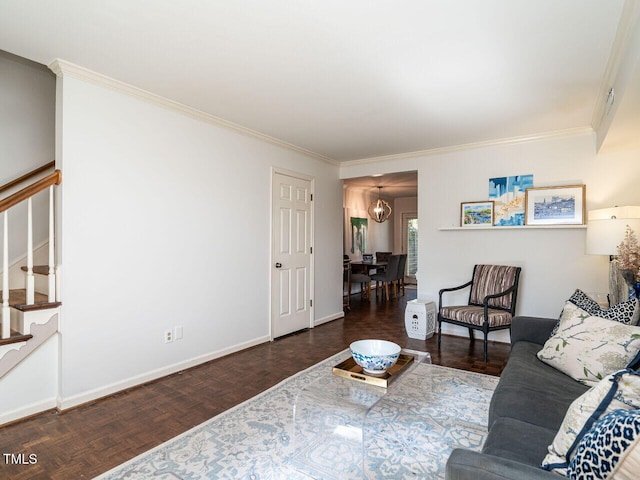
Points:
[522,227]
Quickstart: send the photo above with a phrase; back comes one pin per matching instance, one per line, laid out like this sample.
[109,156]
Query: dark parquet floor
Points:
[86,441]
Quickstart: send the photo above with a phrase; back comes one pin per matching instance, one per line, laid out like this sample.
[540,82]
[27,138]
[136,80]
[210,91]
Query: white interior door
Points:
[291,259]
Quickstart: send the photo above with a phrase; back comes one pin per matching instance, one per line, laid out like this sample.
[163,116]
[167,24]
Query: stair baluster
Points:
[30,280]
[53,290]
[6,313]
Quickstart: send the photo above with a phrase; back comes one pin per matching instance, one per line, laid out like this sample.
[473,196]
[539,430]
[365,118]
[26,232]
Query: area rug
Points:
[409,433]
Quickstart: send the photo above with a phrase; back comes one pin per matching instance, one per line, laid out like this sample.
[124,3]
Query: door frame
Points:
[301,176]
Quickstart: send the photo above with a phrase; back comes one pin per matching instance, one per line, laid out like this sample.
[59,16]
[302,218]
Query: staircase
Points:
[28,318]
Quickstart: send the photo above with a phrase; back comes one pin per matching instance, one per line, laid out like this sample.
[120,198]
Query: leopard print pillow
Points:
[625,312]
[605,445]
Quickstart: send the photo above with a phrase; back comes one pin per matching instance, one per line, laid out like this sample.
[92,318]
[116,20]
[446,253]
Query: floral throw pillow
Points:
[618,391]
[588,348]
[625,312]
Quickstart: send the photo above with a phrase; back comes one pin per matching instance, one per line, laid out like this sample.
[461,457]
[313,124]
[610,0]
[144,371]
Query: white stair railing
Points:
[27,194]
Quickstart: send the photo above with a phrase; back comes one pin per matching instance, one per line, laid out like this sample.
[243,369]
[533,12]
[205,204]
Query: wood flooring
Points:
[86,441]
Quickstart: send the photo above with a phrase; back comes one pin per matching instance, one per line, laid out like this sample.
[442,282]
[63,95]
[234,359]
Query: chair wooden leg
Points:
[485,330]
[486,343]
[439,332]
[386,289]
[471,334]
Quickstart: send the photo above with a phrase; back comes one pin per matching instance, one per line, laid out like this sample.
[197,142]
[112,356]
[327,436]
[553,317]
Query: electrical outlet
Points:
[168,336]
[177,332]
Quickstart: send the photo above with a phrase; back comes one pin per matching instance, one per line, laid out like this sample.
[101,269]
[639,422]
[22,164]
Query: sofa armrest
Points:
[532,329]
[469,465]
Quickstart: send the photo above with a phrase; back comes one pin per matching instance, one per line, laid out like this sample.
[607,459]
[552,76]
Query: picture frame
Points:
[477,214]
[508,195]
[563,205]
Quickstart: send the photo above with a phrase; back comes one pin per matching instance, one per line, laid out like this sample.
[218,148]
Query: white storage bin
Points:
[420,319]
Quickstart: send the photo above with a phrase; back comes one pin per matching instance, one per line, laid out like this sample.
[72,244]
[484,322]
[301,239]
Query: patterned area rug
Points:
[409,433]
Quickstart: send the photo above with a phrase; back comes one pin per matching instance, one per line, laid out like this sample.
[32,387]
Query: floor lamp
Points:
[605,231]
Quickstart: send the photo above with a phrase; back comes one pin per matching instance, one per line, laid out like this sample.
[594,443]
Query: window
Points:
[410,242]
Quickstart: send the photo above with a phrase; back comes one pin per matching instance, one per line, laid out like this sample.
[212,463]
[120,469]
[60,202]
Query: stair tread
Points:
[15,338]
[38,269]
[19,297]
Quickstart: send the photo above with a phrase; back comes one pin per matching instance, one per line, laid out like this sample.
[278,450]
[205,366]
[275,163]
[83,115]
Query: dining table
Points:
[365,266]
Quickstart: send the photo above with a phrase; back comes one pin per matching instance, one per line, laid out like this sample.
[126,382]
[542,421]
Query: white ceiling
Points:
[394,185]
[343,79]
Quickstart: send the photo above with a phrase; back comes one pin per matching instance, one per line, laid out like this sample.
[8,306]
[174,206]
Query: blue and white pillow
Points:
[606,445]
[618,391]
[625,312]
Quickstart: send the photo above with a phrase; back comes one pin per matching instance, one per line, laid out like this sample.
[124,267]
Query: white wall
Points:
[553,260]
[27,97]
[166,222]
[32,386]
[356,201]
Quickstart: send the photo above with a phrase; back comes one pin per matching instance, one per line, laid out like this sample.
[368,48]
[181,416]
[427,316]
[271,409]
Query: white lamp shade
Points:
[606,228]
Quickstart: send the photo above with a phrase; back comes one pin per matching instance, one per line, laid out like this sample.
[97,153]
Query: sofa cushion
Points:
[620,390]
[518,441]
[531,391]
[588,348]
[609,442]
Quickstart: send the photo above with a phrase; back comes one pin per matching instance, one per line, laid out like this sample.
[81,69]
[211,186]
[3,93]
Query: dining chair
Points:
[346,280]
[382,256]
[387,277]
[402,265]
[350,277]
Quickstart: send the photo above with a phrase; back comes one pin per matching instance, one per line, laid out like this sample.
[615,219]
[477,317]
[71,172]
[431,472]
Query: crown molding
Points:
[628,19]
[63,68]
[570,132]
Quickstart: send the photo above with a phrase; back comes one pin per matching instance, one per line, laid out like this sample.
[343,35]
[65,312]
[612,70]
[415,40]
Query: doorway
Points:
[291,256]
[398,234]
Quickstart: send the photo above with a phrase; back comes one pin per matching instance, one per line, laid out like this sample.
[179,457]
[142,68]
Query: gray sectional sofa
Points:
[525,414]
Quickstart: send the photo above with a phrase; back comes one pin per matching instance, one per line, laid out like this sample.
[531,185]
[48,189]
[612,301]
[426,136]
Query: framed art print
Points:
[476,214]
[555,205]
[508,195]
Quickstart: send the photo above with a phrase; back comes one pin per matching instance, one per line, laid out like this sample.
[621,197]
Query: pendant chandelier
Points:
[379,210]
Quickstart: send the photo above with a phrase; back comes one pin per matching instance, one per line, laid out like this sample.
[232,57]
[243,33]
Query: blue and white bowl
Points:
[375,356]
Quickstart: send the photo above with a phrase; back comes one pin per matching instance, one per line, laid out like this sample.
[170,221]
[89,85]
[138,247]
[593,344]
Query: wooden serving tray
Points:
[351,370]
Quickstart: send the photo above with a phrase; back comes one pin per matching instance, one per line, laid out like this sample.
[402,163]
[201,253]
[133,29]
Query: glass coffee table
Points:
[329,417]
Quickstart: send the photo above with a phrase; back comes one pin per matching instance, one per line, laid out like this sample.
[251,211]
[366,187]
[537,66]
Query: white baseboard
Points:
[329,318]
[92,395]
[26,411]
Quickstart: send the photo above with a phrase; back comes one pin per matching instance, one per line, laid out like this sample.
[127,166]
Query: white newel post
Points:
[31,295]
[52,265]
[6,314]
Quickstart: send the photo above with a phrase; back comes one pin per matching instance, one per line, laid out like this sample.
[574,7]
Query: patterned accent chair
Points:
[491,305]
